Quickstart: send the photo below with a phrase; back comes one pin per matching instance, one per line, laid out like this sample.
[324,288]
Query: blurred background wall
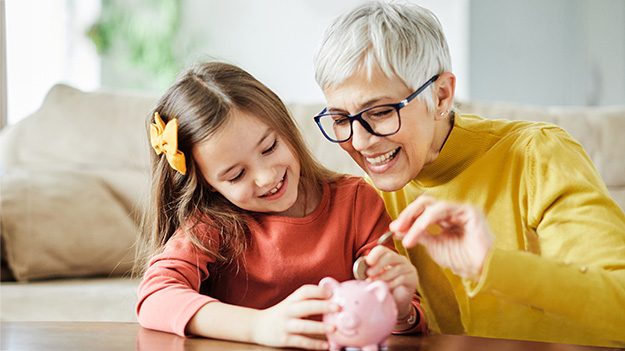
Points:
[556,52]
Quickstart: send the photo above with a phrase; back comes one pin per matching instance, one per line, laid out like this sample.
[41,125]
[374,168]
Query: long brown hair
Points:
[202,99]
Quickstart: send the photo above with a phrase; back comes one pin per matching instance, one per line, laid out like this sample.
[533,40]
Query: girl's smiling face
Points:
[248,163]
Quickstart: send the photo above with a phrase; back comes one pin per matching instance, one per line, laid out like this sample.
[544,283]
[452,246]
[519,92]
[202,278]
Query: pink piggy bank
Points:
[367,316]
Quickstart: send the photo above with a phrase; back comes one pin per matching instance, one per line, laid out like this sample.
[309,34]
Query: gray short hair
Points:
[404,40]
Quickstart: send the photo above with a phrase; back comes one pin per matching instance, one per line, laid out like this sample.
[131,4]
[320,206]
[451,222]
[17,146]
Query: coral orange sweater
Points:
[284,253]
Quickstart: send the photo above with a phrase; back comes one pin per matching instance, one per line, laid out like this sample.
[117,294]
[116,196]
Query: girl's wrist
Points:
[408,321]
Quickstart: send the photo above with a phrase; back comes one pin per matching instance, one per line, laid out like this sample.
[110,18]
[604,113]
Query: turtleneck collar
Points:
[457,152]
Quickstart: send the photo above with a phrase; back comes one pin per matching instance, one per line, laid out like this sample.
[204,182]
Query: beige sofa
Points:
[73,179]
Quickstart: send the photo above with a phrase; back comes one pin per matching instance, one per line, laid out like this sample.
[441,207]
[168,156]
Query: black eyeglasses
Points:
[380,120]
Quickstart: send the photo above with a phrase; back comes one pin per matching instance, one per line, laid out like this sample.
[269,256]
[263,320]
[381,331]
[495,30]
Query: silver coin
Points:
[360,268]
[386,237]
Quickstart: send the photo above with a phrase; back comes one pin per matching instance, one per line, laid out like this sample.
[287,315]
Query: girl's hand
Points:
[464,239]
[395,269]
[284,325]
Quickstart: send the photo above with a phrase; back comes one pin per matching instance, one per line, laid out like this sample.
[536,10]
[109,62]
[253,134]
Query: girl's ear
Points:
[444,98]
[201,181]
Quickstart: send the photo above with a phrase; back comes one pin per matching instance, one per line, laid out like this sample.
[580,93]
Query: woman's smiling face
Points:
[250,165]
[392,161]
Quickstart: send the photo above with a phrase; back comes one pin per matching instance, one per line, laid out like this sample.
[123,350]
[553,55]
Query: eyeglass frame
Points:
[358,116]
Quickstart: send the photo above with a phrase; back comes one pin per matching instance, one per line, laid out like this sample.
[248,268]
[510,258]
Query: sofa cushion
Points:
[61,223]
[102,129]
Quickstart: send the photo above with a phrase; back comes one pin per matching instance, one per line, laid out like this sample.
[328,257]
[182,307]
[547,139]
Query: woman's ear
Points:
[445,89]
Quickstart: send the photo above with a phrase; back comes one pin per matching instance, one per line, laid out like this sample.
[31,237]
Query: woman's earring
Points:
[444,113]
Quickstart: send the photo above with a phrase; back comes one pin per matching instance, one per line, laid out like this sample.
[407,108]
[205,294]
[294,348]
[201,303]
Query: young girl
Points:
[245,222]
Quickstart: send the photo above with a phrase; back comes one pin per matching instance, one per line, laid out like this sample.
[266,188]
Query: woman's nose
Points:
[265,176]
[361,139]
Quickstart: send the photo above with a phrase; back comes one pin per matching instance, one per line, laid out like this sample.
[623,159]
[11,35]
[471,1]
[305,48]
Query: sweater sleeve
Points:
[579,271]
[371,218]
[421,326]
[169,292]
[374,220]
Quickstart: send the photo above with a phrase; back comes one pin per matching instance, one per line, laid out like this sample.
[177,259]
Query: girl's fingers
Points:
[388,265]
[396,275]
[306,326]
[380,255]
[380,259]
[309,300]
[308,292]
[307,308]
[308,343]
[386,273]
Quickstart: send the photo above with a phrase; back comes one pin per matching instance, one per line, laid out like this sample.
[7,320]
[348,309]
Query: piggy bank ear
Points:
[329,283]
[379,289]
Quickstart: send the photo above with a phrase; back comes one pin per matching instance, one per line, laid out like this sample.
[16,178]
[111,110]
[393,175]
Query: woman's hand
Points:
[395,269]
[285,324]
[464,239]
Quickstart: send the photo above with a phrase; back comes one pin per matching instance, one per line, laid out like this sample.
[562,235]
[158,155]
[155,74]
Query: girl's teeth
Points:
[382,158]
[275,190]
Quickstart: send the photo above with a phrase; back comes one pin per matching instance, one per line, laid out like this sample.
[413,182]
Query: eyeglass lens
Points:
[382,120]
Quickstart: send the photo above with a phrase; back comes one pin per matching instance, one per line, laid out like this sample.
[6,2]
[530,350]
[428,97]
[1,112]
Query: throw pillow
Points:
[61,223]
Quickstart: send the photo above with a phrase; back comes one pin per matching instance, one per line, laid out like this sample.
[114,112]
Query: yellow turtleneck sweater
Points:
[557,270]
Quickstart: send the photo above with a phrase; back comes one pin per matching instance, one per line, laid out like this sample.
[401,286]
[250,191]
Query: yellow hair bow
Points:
[164,138]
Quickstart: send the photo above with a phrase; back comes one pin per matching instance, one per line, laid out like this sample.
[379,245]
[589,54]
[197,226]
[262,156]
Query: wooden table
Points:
[128,336]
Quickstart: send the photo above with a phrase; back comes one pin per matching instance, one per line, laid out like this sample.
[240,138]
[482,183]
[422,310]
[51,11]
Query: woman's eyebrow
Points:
[366,104]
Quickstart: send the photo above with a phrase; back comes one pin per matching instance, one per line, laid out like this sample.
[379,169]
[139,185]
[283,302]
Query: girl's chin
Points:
[290,211]
[289,204]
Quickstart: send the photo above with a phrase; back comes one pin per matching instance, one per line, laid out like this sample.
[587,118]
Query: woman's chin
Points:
[387,183]
[388,177]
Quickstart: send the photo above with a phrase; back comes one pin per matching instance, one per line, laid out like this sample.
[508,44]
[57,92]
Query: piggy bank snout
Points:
[348,320]
[366,317]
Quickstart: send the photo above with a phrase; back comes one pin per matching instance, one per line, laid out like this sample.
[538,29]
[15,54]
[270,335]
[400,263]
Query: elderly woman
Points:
[510,227]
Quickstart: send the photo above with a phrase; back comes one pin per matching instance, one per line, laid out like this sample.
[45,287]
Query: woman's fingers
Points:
[407,217]
[435,218]
[456,235]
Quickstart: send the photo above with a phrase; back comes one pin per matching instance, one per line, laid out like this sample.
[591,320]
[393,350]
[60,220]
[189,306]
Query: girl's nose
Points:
[265,176]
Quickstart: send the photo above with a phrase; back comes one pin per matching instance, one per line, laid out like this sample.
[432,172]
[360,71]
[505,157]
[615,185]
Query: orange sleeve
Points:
[371,213]
[169,292]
